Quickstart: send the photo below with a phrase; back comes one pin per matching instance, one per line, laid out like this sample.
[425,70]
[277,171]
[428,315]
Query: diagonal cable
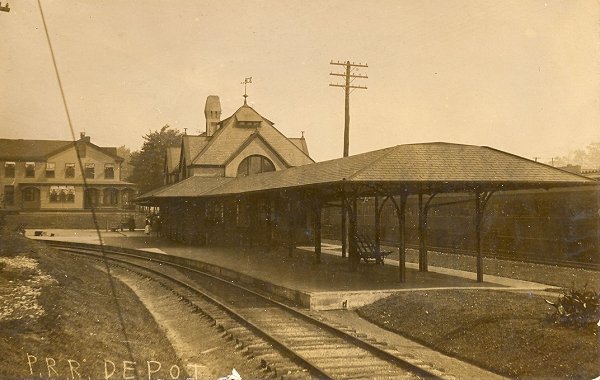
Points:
[86,187]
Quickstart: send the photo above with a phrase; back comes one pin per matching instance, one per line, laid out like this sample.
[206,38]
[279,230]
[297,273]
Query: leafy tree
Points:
[588,158]
[148,162]
[126,168]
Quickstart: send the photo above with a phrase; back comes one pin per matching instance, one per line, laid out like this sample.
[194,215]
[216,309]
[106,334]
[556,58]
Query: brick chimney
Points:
[212,112]
[83,137]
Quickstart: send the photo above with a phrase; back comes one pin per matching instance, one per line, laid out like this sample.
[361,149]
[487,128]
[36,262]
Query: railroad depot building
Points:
[243,144]
[44,175]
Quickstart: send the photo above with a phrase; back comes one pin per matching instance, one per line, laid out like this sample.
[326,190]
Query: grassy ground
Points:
[59,318]
[546,274]
[507,333]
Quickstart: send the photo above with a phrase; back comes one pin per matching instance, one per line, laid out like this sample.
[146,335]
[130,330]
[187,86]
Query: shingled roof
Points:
[192,146]
[40,150]
[231,135]
[300,142]
[23,150]
[434,166]
[173,154]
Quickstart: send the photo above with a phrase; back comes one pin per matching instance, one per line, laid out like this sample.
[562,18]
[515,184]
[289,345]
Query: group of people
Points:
[153,223]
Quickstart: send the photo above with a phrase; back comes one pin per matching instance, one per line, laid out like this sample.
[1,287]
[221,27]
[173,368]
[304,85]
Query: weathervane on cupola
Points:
[245,83]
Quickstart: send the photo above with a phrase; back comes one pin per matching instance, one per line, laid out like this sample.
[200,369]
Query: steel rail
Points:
[384,355]
[313,368]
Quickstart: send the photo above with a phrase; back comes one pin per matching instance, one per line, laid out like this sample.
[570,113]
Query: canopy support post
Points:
[269,213]
[354,258]
[401,214]
[291,246]
[423,211]
[481,199]
[422,236]
[402,238]
[377,227]
[344,225]
[317,231]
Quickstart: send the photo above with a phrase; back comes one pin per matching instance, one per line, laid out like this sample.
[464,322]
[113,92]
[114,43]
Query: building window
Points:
[50,169]
[29,194]
[254,165]
[109,171]
[9,195]
[89,171]
[30,169]
[70,170]
[62,194]
[111,196]
[9,169]
[249,124]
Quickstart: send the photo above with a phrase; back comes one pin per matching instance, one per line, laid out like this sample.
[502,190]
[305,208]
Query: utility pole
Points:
[349,78]
[5,8]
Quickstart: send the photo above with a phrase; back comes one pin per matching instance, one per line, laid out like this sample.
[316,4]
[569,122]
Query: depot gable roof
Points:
[233,133]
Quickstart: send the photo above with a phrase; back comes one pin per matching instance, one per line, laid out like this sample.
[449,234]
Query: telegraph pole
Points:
[347,86]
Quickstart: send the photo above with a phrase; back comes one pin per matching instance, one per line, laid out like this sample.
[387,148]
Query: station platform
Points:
[325,286]
[329,286]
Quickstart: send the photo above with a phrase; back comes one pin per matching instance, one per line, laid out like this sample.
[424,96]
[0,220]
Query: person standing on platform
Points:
[147,227]
[156,225]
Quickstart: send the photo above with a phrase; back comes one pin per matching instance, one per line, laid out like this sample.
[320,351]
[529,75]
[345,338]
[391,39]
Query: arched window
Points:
[255,164]
[111,196]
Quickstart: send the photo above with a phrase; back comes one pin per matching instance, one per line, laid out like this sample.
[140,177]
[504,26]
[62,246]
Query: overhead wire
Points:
[86,188]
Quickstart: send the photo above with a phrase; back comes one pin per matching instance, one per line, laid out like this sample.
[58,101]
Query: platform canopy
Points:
[393,174]
[412,168]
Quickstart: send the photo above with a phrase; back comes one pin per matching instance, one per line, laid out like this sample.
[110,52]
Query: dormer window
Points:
[249,124]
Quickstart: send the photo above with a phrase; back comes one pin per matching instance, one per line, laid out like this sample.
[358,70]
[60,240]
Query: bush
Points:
[577,307]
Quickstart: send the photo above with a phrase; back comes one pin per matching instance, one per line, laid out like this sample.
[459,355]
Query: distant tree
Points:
[147,163]
[588,158]
[126,168]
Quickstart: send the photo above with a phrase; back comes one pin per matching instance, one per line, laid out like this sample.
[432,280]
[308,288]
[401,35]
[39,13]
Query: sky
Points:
[521,76]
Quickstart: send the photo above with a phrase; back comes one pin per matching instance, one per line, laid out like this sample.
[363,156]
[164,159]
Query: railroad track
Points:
[290,342]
